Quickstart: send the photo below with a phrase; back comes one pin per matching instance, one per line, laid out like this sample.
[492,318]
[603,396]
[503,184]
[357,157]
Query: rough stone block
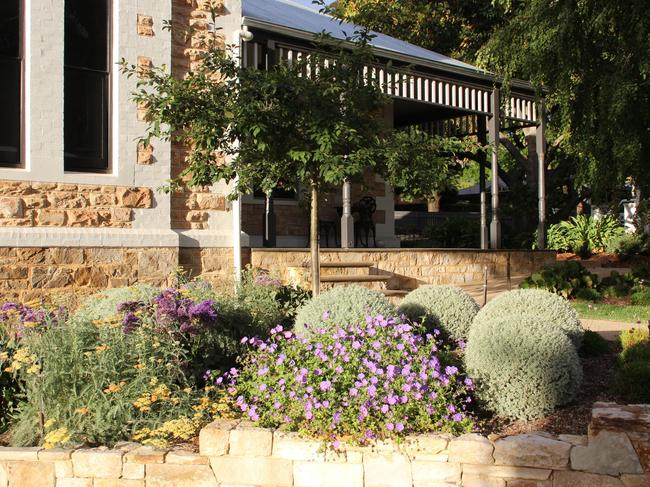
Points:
[504,471]
[636,480]
[387,470]
[532,451]
[581,479]
[292,447]
[134,197]
[118,483]
[72,482]
[101,464]
[30,474]
[18,454]
[182,457]
[253,470]
[471,448]
[214,438]
[608,452]
[435,471]
[48,218]
[145,454]
[248,440]
[428,444]
[164,475]
[133,471]
[63,469]
[12,208]
[476,481]
[311,474]
[576,440]
[145,25]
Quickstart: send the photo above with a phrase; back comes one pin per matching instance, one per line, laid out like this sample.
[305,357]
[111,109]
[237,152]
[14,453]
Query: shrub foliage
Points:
[523,366]
[344,305]
[550,308]
[448,308]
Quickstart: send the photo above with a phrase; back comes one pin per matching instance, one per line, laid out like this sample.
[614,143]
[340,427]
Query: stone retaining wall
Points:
[409,268]
[616,453]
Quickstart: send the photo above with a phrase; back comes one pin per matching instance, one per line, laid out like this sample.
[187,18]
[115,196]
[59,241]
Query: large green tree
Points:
[314,122]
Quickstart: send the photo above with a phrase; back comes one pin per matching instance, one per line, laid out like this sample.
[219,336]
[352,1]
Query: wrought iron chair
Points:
[364,224]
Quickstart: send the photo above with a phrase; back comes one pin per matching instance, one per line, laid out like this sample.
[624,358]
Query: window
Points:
[87,85]
[11,75]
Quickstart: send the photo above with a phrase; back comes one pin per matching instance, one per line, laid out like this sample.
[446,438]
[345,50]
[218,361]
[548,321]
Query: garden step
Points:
[355,278]
[342,265]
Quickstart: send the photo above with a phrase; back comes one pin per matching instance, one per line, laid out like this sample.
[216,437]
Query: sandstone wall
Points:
[413,267]
[616,453]
[32,204]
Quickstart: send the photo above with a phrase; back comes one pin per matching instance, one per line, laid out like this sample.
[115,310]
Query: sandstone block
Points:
[435,471]
[145,152]
[153,263]
[504,471]
[83,218]
[72,482]
[642,448]
[66,255]
[163,475]
[145,25]
[48,218]
[18,454]
[63,469]
[428,444]
[103,199]
[101,464]
[580,479]
[51,277]
[211,201]
[12,208]
[30,474]
[134,197]
[476,481]
[182,457]
[387,470]
[292,447]
[133,471]
[608,452]
[215,437]
[311,474]
[635,480]
[253,470]
[145,454]
[248,440]
[532,451]
[528,483]
[576,440]
[471,448]
[118,483]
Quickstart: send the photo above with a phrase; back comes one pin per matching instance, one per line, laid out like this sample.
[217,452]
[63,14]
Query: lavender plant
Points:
[358,382]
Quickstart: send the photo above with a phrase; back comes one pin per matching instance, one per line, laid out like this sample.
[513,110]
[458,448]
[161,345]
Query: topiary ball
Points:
[103,305]
[523,367]
[549,307]
[448,308]
[342,306]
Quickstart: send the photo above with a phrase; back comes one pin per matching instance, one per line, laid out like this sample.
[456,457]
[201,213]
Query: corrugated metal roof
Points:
[301,16]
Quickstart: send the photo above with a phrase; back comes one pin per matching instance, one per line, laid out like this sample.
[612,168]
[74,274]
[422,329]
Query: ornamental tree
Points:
[314,122]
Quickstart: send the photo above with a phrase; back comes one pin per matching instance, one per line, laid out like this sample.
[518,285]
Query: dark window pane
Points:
[86,120]
[10,82]
[86,85]
[9,28]
[86,34]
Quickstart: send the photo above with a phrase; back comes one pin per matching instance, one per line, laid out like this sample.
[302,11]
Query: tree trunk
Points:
[313,240]
[433,203]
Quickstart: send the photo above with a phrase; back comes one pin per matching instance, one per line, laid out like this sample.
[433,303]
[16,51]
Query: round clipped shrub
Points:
[343,305]
[448,308]
[523,367]
[548,307]
[104,304]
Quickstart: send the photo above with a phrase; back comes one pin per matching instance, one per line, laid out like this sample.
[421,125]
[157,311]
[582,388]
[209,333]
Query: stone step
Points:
[344,265]
[355,278]
[395,293]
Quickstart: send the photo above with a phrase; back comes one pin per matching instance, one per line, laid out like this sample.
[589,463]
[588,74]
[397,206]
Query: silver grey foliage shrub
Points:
[554,310]
[523,367]
[346,305]
[448,308]
[103,305]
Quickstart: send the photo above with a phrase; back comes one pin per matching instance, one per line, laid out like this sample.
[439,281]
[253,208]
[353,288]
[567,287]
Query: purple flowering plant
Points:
[377,379]
[17,319]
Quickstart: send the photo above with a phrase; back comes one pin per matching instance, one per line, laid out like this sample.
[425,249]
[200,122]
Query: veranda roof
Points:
[301,19]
